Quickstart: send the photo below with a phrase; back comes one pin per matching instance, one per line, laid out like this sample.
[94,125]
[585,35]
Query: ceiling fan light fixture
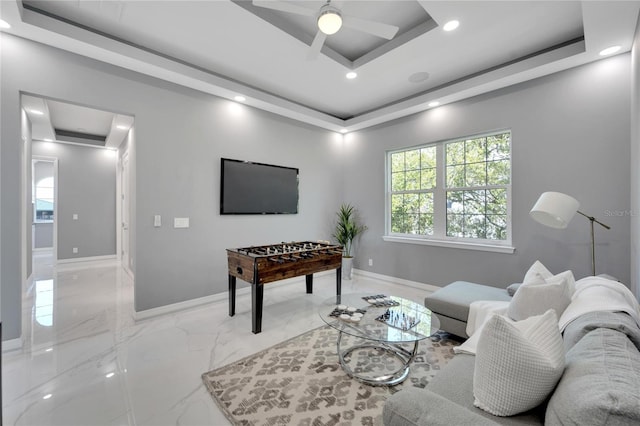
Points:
[329,21]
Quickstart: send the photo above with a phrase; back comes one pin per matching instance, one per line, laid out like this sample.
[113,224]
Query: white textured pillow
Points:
[536,297]
[518,364]
[537,273]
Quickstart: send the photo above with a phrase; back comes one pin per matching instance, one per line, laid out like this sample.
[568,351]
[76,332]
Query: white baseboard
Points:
[12,345]
[87,259]
[214,298]
[414,284]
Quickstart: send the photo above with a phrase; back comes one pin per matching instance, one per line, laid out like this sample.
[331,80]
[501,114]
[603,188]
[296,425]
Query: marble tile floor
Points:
[86,361]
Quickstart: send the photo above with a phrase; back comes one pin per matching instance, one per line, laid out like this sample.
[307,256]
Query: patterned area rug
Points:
[300,382]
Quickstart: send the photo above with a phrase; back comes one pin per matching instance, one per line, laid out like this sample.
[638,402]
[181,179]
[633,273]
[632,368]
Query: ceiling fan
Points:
[330,19]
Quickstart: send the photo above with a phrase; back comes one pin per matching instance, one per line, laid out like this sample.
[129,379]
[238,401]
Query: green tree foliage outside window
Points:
[413,177]
[477,177]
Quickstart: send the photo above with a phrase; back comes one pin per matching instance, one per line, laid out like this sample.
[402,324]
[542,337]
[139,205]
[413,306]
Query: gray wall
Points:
[635,161]
[42,235]
[570,133]
[86,187]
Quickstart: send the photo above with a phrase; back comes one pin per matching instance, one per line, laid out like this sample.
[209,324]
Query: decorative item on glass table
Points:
[398,319]
[380,300]
[348,313]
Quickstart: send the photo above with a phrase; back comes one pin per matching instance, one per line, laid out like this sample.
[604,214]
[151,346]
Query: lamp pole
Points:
[593,240]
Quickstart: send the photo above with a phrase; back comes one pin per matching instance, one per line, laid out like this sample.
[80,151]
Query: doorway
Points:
[44,203]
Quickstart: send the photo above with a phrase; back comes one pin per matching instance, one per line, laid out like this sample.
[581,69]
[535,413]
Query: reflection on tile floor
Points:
[85,361]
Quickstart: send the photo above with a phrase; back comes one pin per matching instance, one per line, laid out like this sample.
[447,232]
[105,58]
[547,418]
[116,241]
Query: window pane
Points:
[412,226]
[412,182]
[474,226]
[412,159]
[474,202]
[454,225]
[496,227]
[455,202]
[498,147]
[412,203]
[476,174]
[397,181]
[426,203]
[498,172]
[397,162]
[455,153]
[475,150]
[428,157]
[426,224]
[497,202]
[428,179]
[398,213]
[455,176]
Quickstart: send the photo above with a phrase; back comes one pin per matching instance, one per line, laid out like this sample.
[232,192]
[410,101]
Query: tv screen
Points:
[256,188]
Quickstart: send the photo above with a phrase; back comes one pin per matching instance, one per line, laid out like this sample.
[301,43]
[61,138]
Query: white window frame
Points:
[439,237]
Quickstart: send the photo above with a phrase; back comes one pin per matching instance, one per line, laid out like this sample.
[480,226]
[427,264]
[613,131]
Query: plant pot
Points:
[347,266]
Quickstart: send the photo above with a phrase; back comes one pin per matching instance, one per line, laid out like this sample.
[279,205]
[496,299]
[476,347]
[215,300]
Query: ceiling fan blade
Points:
[316,46]
[376,28]
[284,6]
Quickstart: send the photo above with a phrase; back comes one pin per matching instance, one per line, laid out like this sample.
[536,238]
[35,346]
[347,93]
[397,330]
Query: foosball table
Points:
[259,265]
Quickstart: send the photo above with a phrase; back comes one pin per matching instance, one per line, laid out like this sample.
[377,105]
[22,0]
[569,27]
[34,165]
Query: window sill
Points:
[42,221]
[495,248]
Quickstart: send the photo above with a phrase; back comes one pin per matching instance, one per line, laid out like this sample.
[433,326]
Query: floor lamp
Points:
[556,210]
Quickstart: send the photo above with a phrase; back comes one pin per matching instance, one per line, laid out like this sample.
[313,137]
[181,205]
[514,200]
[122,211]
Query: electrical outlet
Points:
[75,250]
[370,262]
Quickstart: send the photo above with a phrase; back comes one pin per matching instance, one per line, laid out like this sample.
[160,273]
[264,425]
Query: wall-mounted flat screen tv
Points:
[256,188]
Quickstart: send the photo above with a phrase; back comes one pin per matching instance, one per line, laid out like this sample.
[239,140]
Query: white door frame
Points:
[123,210]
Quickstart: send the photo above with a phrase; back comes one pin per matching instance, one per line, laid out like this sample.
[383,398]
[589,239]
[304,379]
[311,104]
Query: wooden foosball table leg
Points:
[309,281]
[339,281]
[232,295]
[257,293]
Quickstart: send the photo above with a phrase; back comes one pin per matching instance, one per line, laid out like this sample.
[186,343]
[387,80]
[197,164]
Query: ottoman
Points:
[451,303]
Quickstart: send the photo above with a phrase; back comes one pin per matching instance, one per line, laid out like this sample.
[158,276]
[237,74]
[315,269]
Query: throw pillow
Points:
[517,363]
[511,289]
[535,298]
[536,273]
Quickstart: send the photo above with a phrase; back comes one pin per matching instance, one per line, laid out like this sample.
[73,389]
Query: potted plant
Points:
[347,229]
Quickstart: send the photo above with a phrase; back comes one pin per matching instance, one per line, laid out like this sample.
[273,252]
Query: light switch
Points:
[75,216]
[180,222]
[157,221]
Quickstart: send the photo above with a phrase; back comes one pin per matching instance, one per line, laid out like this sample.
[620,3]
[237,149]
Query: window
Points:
[452,191]
[43,199]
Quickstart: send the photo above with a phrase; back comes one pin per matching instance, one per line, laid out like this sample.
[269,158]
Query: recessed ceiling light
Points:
[351,75]
[48,349]
[343,131]
[451,25]
[609,50]
[122,127]
[48,140]
[240,98]
[434,104]
[36,112]
[47,396]
[110,375]
[4,24]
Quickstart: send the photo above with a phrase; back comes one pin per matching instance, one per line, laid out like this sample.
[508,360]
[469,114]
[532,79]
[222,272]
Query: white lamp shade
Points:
[554,209]
[330,22]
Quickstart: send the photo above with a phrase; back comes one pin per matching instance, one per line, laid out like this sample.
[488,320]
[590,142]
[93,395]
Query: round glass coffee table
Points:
[386,325]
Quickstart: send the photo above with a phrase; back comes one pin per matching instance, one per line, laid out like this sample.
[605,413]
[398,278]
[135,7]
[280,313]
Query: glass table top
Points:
[383,318]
